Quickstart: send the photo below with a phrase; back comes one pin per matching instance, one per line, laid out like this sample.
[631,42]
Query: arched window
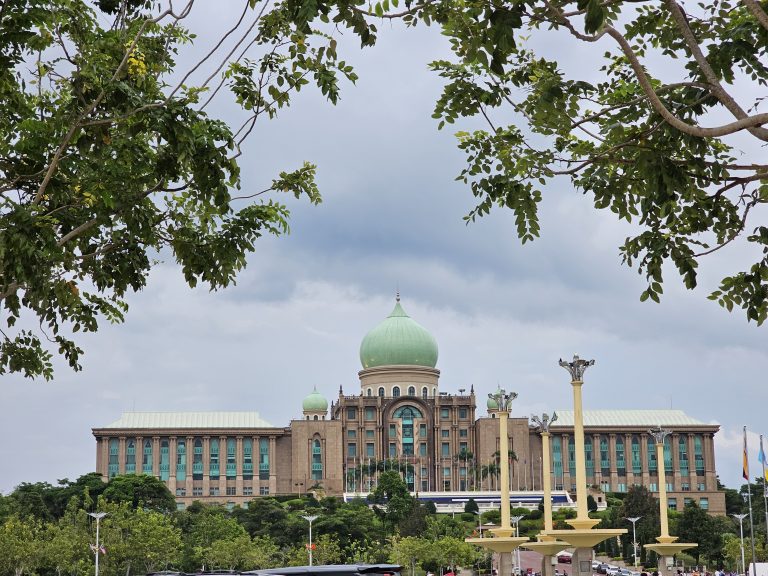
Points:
[424,392]
[411,391]
[214,458]
[114,462]
[381,391]
[231,462]
[146,463]
[621,459]
[395,391]
[181,459]
[370,392]
[247,458]
[315,416]
[682,455]
[197,460]
[434,392]
[317,460]
[165,459]
[130,456]
[637,465]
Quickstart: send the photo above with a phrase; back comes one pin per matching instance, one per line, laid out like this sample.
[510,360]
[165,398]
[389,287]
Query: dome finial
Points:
[397,293]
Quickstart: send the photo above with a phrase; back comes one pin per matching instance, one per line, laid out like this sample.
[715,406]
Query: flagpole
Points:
[749,500]
[765,493]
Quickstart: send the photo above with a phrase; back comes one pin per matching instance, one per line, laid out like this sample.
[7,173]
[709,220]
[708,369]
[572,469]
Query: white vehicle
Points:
[761,569]
[613,571]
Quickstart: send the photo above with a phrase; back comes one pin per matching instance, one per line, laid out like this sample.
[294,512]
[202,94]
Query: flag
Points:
[745,463]
[761,458]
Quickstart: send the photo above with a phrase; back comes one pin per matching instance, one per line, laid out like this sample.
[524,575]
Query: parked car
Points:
[612,571]
[625,572]
[331,570]
[564,557]
[602,568]
[595,564]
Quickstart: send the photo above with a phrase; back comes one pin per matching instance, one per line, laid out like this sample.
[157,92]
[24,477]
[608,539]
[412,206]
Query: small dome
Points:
[315,402]
[398,340]
[492,404]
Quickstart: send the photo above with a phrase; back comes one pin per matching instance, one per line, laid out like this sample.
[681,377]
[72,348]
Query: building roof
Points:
[398,340]
[190,420]
[597,418]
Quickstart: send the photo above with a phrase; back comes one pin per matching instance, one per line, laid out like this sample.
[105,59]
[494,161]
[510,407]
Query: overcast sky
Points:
[391,217]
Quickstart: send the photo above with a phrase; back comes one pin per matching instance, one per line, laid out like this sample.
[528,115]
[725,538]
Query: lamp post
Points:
[98,516]
[634,519]
[740,518]
[516,521]
[310,519]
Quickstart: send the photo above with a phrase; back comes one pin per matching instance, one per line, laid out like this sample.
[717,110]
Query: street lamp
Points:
[98,516]
[740,518]
[310,519]
[516,521]
[634,536]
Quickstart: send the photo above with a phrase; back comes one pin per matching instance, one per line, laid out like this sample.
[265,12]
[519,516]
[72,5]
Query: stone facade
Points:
[399,417]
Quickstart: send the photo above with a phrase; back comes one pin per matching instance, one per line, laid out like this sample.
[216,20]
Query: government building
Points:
[399,418]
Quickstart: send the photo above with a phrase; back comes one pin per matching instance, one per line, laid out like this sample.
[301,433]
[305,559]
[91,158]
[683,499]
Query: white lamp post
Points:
[98,516]
[310,519]
[516,521]
[740,518]
[634,537]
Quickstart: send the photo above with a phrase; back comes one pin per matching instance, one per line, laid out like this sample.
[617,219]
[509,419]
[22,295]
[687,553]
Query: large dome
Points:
[398,340]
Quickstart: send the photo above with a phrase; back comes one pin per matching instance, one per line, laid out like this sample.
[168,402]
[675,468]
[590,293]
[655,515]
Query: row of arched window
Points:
[630,458]
[222,458]
[396,391]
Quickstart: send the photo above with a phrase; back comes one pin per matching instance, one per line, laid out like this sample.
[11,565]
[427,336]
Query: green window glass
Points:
[682,455]
[637,464]
[130,456]
[214,458]
[231,458]
[445,449]
[668,454]
[247,459]
[369,433]
[146,462]
[621,462]
[423,430]
[652,464]
[165,459]
[422,448]
[588,459]
[393,431]
[114,457]
[317,460]
[370,451]
[197,460]
[352,433]
[698,454]
[181,459]
[352,450]
[392,450]
[264,459]
[605,457]
[557,462]
[571,454]
[351,413]
[370,413]
[463,413]
[444,413]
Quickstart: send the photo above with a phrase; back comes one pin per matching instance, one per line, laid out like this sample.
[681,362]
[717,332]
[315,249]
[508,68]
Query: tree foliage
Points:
[111,156]
[655,110]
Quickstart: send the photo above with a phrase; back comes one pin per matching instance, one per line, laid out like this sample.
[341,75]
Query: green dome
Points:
[398,340]
[492,404]
[315,402]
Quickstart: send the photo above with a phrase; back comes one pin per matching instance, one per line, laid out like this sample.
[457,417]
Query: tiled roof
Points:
[190,420]
[597,418]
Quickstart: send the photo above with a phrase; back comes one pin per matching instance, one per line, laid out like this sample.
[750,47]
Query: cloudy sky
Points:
[392,218]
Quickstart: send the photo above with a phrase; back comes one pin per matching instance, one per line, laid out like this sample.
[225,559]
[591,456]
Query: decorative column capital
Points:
[544,422]
[577,367]
[659,434]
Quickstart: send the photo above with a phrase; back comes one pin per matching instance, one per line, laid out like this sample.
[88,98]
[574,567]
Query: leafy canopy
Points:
[111,157]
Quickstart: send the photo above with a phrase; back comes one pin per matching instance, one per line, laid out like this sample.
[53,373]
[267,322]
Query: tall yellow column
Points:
[504,465]
[582,521]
